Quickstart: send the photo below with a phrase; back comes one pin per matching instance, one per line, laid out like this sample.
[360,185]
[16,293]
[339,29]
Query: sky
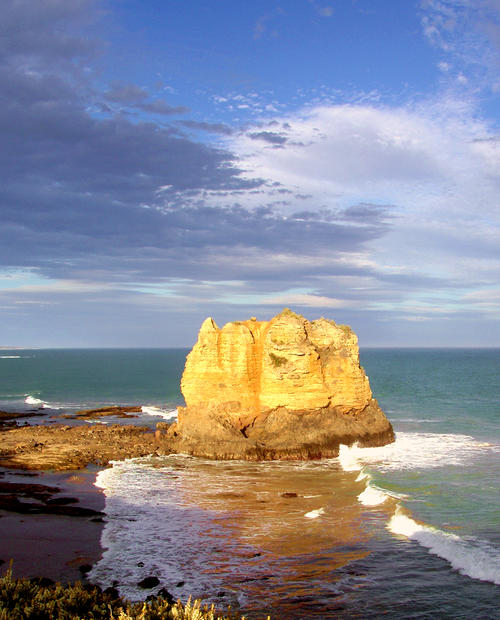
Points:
[162,161]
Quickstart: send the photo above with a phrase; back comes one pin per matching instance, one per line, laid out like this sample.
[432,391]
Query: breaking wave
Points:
[168,414]
[470,556]
[414,451]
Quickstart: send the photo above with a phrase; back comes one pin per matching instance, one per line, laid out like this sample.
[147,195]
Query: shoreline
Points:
[51,511]
[59,547]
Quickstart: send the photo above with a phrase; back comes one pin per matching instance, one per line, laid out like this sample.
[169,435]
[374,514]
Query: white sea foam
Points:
[414,451]
[372,496]
[167,414]
[314,514]
[348,458]
[152,524]
[32,400]
[10,357]
[362,476]
[470,556]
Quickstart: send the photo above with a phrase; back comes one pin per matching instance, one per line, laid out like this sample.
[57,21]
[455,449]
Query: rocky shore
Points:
[49,505]
[61,447]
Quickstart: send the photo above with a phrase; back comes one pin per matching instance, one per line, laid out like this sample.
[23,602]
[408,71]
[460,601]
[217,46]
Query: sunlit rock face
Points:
[284,388]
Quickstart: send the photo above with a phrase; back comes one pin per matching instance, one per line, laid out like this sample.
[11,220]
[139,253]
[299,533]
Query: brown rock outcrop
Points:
[63,447]
[284,388]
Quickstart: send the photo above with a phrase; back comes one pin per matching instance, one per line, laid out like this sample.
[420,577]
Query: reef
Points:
[61,447]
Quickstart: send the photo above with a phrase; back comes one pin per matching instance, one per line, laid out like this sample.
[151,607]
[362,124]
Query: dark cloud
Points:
[210,127]
[160,106]
[126,93]
[366,212]
[37,32]
[118,240]
[134,97]
[71,181]
[98,197]
[268,136]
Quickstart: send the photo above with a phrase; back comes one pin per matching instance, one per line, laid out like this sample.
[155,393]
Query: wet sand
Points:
[54,546]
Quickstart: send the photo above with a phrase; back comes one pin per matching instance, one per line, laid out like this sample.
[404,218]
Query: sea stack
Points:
[280,389]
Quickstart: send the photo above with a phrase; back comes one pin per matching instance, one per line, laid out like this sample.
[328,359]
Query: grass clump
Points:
[33,599]
[277,360]
[345,328]
[288,312]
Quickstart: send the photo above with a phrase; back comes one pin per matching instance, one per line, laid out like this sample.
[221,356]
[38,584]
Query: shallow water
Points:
[296,539]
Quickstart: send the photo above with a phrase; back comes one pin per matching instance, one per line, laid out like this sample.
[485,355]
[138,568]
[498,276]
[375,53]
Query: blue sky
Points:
[167,160]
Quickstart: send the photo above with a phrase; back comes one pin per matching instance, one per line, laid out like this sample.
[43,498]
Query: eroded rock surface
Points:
[284,388]
[63,447]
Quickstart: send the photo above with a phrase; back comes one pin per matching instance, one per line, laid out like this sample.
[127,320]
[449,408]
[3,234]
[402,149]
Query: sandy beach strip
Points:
[54,546]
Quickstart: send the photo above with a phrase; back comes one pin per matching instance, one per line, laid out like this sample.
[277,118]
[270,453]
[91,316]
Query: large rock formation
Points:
[284,388]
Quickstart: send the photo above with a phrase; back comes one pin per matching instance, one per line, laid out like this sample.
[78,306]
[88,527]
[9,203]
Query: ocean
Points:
[409,530]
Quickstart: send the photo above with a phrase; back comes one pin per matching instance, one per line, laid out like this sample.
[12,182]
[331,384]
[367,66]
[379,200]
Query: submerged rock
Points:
[148,582]
[284,388]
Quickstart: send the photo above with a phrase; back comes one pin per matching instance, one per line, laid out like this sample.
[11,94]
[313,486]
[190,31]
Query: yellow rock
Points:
[258,389]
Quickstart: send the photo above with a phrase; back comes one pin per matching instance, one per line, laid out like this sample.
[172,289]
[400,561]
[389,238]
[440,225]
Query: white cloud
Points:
[444,67]
[436,162]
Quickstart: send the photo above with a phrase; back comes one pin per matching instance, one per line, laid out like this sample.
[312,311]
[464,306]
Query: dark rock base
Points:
[278,434]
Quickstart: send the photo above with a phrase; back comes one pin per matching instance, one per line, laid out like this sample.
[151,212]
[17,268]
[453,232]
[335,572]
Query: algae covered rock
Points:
[284,388]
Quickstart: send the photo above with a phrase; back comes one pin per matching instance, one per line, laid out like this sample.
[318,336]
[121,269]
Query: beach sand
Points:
[54,546]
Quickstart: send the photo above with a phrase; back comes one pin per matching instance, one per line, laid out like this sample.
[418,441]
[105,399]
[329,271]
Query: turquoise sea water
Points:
[410,530]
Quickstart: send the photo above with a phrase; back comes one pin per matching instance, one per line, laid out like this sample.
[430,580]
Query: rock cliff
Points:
[284,388]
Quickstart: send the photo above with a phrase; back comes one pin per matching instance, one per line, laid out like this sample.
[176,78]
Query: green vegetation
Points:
[277,341]
[345,328]
[277,360]
[288,312]
[31,599]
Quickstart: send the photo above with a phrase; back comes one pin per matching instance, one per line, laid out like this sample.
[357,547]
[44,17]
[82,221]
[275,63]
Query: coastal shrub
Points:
[29,599]
[22,599]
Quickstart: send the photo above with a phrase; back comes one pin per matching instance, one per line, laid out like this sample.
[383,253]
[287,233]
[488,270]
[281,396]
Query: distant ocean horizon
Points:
[409,530]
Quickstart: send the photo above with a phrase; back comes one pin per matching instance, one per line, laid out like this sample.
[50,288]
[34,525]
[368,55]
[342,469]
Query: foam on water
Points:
[38,402]
[314,514]
[167,414]
[10,357]
[225,527]
[32,400]
[415,451]
[134,501]
[372,496]
[470,556]
[152,524]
